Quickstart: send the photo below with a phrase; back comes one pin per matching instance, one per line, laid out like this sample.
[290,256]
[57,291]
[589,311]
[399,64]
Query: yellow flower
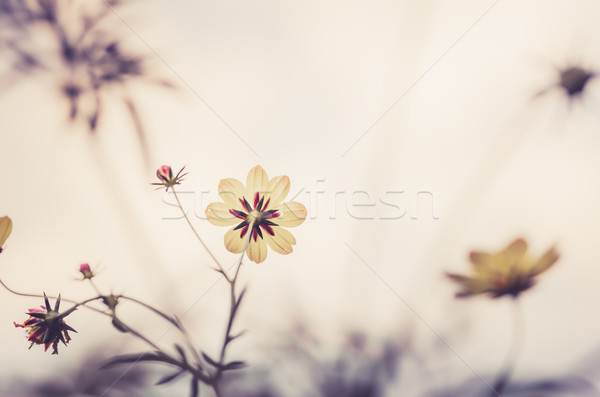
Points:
[259,213]
[5,229]
[508,272]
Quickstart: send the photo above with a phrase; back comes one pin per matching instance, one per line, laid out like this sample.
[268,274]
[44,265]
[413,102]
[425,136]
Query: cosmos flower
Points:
[508,272]
[5,229]
[165,175]
[258,213]
[46,326]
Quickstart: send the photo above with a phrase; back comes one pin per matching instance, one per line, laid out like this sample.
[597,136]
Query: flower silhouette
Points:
[259,213]
[508,272]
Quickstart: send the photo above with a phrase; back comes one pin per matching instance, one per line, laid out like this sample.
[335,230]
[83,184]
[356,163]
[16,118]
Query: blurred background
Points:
[413,132]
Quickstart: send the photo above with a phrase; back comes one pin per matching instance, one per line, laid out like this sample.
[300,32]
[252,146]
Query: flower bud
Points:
[85,270]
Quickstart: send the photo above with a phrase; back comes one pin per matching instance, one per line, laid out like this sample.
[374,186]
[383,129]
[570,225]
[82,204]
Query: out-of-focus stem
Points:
[513,351]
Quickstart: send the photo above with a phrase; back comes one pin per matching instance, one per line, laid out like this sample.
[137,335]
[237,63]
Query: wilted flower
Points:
[259,213]
[46,326]
[165,174]
[86,271]
[5,229]
[508,272]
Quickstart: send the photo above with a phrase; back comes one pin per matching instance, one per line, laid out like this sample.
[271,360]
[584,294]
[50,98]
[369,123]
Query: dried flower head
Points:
[165,175]
[46,326]
[5,229]
[507,272]
[259,213]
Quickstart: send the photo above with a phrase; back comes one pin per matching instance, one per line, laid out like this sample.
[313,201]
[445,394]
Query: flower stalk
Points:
[513,351]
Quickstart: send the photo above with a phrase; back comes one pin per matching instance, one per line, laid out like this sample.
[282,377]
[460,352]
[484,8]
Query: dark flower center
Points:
[257,217]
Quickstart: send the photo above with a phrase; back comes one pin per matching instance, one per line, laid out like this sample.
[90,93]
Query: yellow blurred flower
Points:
[5,229]
[508,272]
[259,213]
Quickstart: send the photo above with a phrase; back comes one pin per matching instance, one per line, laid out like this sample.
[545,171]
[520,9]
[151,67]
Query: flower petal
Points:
[278,189]
[470,285]
[257,181]
[293,214]
[481,261]
[257,250]
[230,189]
[548,259]
[282,241]
[218,214]
[233,242]
[515,250]
[5,229]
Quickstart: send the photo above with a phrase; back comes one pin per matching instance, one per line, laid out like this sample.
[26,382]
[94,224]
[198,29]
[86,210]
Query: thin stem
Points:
[94,286]
[214,258]
[233,310]
[12,291]
[113,315]
[513,351]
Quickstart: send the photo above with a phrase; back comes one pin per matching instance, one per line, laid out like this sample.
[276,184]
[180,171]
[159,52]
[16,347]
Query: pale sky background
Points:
[306,89]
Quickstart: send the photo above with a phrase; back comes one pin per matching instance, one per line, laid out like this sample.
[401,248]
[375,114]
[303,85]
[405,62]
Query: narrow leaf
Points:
[181,352]
[210,360]
[134,358]
[234,365]
[170,377]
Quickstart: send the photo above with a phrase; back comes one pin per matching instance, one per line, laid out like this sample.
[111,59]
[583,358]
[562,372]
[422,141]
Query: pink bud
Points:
[86,271]
[164,173]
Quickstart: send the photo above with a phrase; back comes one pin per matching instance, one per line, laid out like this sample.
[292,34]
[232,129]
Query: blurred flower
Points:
[573,80]
[86,271]
[261,219]
[5,229]
[508,272]
[165,174]
[46,326]
[79,46]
